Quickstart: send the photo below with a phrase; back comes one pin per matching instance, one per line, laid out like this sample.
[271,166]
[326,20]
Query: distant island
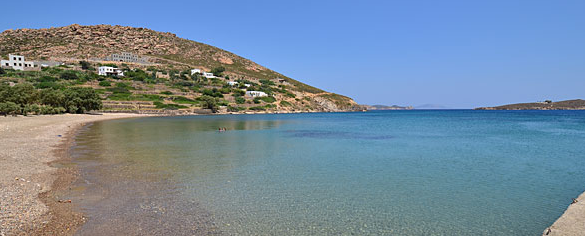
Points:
[431,106]
[384,107]
[576,104]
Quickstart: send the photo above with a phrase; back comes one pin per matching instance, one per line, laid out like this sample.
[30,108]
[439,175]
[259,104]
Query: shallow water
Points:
[377,173]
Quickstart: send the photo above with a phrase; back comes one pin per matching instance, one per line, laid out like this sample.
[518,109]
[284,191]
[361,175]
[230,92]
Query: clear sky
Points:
[460,54]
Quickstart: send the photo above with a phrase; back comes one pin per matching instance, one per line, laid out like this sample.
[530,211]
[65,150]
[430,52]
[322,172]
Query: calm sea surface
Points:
[456,172]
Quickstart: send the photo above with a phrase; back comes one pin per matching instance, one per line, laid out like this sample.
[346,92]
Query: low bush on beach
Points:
[235,109]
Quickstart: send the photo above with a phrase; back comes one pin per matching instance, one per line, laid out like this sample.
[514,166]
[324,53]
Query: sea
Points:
[412,172]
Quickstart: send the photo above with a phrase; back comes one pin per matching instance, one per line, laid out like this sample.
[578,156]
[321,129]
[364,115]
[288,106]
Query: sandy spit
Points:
[30,151]
[572,222]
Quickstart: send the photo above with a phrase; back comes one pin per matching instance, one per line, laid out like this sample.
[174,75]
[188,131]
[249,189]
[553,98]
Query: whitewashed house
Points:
[17,62]
[247,85]
[256,94]
[193,71]
[108,70]
[208,75]
[232,83]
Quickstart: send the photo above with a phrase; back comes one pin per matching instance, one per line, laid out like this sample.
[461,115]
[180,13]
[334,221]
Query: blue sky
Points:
[460,54]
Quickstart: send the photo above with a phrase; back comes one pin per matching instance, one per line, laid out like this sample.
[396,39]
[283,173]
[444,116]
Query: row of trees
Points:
[24,99]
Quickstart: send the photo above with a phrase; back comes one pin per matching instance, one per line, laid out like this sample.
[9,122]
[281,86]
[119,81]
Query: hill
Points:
[166,74]
[576,104]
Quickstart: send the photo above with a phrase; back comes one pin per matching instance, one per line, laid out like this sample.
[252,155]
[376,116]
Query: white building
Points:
[17,62]
[193,71]
[247,85]
[208,75]
[232,83]
[108,70]
[256,94]
[127,57]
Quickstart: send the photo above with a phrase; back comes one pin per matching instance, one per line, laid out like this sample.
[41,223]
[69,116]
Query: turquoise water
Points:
[456,172]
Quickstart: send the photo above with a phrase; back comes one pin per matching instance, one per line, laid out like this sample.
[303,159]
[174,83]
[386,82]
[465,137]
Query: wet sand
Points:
[572,222]
[30,181]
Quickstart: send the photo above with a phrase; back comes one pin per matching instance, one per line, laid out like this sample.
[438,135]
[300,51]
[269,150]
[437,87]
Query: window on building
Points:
[19,64]
[20,58]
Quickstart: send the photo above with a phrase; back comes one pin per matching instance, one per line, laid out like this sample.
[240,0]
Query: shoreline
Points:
[35,171]
[571,222]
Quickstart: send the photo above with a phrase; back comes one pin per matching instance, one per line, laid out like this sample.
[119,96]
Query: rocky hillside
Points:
[576,104]
[76,43]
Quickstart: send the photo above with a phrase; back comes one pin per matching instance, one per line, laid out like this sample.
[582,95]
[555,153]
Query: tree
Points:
[2,71]
[208,102]
[52,97]
[218,71]
[85,65]
[69,75]
[24,93]
[80,100]
[9,108]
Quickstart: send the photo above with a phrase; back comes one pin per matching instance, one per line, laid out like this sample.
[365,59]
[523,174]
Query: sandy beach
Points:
[32,149]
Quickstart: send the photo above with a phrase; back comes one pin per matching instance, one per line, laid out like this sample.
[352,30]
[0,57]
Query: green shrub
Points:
[258,108]
[225,90]
[184,100]
[118,90]
[9,108]
[266,82]
[166,92]
[218,71]
[46,78]
[80,100]
[209,102]
[105,83]
[45,85]
[240,100]
[239,92]
[235,109]
[124,85]
[85,65]
[285,104]
[268,99]
[69,75]
[161,105]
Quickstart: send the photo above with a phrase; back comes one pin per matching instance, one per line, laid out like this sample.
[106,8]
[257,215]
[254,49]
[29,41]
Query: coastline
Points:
[571,222]
[34,171]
